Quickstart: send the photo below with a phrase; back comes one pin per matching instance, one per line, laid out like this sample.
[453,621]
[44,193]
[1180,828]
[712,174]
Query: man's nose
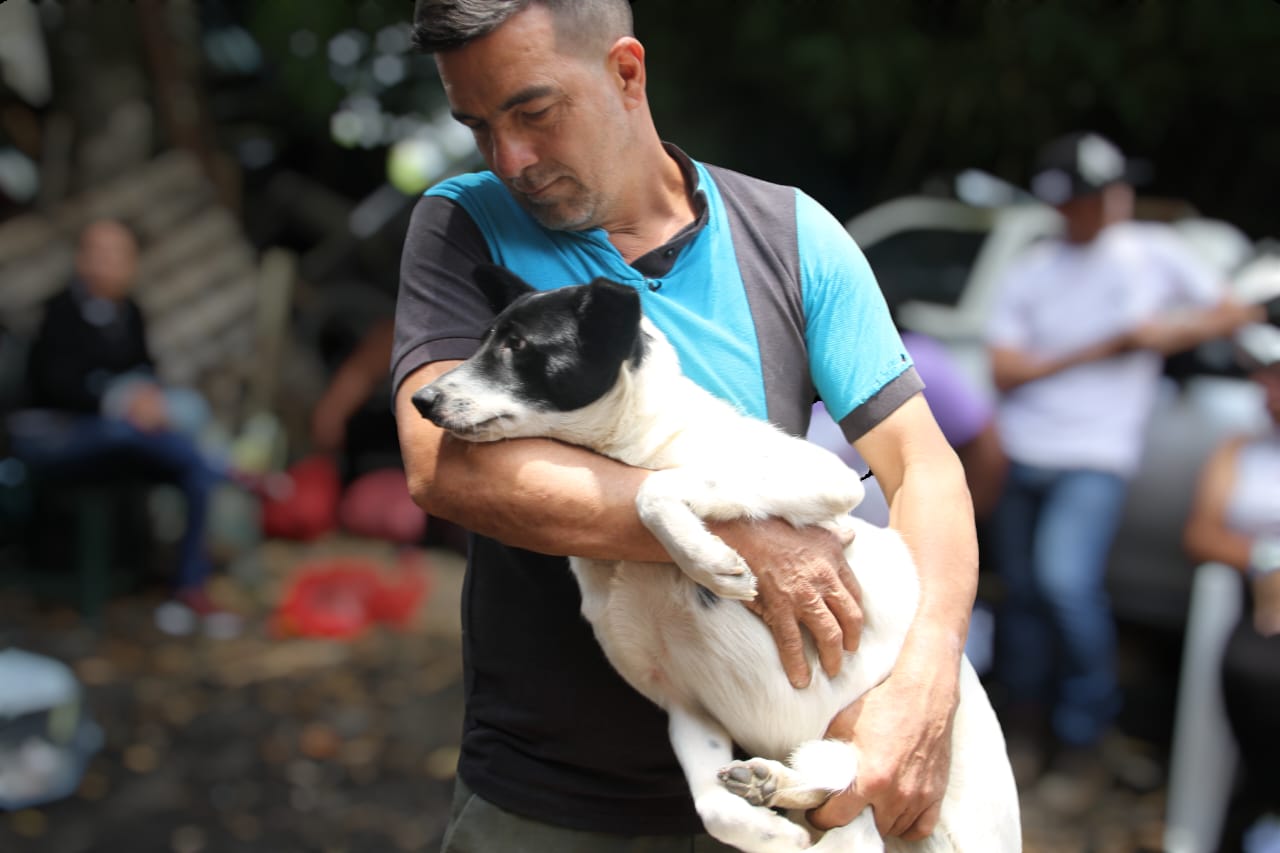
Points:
[512,154]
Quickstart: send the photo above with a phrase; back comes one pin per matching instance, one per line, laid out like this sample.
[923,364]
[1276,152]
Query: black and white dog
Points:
[582,365]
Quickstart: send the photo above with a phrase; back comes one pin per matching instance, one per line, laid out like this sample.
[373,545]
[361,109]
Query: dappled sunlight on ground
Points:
[269,744]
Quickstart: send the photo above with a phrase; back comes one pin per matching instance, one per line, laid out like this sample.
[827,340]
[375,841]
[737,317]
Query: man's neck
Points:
[662,205]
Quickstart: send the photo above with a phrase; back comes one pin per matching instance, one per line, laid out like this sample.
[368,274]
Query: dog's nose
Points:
[426,400]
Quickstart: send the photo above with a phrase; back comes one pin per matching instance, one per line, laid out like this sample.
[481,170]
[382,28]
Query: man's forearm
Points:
[939,530]
[1012,368]
[536,494]
[542,495]
[1218,321]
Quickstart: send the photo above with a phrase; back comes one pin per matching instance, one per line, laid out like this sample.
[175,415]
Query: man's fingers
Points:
[786,633]
[925,824]
[850,582]
[840,810]
[899,825]
[828,635]
[849,616]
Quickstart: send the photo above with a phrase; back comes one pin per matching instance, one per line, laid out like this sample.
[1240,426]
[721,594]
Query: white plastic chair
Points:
[1203,764]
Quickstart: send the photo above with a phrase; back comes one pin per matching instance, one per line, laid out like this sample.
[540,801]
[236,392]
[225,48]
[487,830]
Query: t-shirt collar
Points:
[658,262]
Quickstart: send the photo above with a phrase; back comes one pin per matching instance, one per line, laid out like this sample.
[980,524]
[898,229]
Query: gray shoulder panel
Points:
[762,222]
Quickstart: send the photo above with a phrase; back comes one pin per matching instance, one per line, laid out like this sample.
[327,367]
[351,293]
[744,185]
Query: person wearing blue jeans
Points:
[1055,529]
[1076,338]
[90,446]
[97,408]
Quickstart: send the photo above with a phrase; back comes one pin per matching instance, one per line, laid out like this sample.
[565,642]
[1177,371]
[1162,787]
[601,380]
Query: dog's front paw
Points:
[726,574]
[709,562]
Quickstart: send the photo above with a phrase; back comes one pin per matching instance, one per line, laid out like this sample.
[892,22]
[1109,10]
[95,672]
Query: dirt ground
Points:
[264,744]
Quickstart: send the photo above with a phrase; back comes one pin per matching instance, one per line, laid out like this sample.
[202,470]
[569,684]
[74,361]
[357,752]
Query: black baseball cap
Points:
[1080,164]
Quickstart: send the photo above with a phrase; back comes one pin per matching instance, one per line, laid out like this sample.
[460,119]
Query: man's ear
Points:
[500,285]
[609,319]
[626,59]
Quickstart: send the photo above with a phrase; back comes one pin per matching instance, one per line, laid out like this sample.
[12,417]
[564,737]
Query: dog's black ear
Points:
[500,286]
[609,315]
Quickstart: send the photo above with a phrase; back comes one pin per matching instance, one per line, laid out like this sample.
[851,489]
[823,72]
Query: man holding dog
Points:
[558,753]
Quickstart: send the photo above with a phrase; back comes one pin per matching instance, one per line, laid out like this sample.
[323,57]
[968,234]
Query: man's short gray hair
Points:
[443,25]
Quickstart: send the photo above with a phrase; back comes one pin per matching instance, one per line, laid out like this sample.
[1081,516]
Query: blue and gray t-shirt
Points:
[769,304]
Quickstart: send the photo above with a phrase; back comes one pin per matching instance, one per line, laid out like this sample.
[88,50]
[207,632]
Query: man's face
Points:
[548,122]
[1088,215]
[107,260]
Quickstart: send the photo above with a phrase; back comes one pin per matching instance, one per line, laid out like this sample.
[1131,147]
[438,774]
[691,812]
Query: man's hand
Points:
[903,733]
[802,579]
[147,410]
[1266,604]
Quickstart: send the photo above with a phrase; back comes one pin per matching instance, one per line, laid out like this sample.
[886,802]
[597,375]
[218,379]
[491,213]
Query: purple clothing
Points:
[959,408]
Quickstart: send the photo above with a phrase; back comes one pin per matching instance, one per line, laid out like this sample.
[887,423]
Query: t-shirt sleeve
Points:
[1195,283]
[440,313]
[859,366]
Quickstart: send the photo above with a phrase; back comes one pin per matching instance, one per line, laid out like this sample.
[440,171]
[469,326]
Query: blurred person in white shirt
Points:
[1077,339]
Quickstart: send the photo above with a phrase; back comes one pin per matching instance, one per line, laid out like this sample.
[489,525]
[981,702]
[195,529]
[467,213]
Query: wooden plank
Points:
[131,192]
[25,235]
[207,317]
[28,285]
[192,242]
[185,289]
[159,218]
[278,273]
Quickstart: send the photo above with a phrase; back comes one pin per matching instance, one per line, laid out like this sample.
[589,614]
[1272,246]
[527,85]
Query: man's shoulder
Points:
[754,196]
[1036,265]
[61,306]
[60,298]
[742,179]
[465,185]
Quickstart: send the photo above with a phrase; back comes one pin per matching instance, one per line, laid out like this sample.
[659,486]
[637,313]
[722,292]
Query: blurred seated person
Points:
[1235,520]
[965,414]
[353,421]
[100,413]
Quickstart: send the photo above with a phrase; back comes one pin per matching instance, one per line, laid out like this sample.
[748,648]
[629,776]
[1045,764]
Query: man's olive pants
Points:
[478,826]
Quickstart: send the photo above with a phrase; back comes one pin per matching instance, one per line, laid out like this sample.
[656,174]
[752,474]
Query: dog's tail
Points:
[830,765]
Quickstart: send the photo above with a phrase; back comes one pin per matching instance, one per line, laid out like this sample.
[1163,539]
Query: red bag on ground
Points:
[304,504]
[378,505]
[341,597]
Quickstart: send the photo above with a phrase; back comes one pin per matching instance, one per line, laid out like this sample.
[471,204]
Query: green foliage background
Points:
[858,101]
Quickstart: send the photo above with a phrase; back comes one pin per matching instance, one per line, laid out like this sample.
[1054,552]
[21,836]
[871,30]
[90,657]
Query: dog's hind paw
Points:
[752,780]
[763,782]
